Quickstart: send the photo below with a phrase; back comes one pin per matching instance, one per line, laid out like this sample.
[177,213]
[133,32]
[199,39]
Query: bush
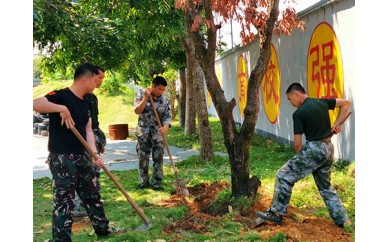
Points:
[113,83]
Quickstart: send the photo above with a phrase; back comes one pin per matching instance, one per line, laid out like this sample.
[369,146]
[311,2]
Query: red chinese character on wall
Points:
[242,77]
[323,72]
[269,81]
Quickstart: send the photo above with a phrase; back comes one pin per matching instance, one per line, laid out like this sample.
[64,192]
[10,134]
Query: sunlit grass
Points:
[266,157]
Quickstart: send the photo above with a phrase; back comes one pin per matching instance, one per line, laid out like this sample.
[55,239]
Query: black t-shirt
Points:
[93,107]
[62,139]
[312,118]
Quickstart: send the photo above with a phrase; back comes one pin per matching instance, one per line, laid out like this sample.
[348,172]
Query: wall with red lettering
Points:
[321,58]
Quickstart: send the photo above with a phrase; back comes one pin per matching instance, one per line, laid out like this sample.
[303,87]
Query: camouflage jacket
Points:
[147,122]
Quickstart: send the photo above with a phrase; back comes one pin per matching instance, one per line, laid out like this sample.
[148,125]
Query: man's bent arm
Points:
[43,105]
[344,106]
[298,143]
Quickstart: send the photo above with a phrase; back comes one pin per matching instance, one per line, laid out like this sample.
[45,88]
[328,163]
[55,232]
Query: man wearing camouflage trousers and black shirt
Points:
[312,119]
[92,100]
[70,166]
[149,134]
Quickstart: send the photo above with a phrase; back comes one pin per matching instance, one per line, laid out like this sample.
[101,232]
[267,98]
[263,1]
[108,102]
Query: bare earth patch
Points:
[296,225]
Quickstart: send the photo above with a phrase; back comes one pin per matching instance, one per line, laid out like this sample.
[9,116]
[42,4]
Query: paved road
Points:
[119,155]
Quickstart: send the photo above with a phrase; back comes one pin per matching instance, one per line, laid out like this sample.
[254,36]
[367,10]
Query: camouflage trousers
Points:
[78,204]
[316,158]
[74,173]
[144,147]
[100,144]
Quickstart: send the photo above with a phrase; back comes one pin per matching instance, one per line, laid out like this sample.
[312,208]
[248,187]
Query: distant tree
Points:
[36,69]
[136,38]
[171,77]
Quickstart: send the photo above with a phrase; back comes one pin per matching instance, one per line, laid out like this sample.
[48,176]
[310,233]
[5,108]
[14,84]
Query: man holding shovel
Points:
[69,164]
[92,100]
[316,157]
[149,135]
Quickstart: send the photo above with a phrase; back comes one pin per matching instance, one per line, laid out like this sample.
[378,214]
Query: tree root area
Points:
[297,226]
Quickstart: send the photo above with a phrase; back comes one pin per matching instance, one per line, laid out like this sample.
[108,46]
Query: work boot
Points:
[111,230]
[347,223]
[143,186]
[270,216]
[157,187]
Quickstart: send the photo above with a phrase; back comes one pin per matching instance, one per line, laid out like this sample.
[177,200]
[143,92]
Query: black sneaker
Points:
[347,223]
[157,188]
[143,186]
[111,230]
[270,216]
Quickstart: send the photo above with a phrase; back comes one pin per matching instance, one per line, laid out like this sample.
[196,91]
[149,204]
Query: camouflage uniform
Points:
[71,173]
[100,144]
[149,139]
[98,134]
[315,158]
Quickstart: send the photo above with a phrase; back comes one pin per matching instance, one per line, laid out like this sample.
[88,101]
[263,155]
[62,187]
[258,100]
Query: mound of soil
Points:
[296,225]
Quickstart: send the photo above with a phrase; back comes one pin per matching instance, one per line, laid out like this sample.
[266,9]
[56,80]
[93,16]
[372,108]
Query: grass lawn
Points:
[266,157]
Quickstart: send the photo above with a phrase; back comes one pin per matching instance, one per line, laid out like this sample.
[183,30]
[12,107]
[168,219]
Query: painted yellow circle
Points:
[324,66]
[219,77]
[242,83]
[270,87]
[209,98]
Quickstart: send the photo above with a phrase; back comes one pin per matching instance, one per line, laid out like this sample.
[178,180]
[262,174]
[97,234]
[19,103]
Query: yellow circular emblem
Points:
[270,87]
[242,83]
[324,66]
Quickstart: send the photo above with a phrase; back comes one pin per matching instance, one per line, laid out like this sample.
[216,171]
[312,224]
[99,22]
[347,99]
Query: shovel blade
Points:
[144,227]
[181,188]
[258,222]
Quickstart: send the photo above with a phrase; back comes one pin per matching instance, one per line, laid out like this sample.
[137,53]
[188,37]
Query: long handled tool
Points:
[147,224]
[181,188]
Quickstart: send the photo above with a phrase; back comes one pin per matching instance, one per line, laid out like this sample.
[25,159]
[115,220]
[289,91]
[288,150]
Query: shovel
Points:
[147,224]
[180,186]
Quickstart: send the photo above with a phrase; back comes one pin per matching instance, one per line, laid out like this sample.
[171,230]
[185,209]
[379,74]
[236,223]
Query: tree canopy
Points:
[138,38]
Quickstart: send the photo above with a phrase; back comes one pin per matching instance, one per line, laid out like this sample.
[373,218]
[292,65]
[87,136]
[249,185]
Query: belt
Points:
[326,140]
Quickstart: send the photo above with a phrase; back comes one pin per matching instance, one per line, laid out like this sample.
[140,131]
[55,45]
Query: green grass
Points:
[266,157]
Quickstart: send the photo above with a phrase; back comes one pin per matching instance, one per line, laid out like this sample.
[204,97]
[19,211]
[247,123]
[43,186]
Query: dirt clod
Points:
[297,225]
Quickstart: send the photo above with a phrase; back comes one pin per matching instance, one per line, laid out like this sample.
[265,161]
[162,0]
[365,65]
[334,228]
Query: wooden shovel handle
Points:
[164,138]
[167,147]
[129,199]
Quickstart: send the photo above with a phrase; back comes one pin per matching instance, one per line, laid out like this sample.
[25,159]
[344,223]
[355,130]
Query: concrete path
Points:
[119,155]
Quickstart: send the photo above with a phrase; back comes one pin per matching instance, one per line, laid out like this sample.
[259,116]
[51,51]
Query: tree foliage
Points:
[137,38]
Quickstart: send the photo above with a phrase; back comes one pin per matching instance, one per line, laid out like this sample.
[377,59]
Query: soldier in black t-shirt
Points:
[92,101]
[312,119]
[70,166]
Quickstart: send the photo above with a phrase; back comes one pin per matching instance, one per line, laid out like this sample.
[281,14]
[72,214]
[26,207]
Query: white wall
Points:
[292,56]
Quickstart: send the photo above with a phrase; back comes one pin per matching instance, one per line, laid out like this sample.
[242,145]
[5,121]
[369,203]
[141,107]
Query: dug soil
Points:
[297,225]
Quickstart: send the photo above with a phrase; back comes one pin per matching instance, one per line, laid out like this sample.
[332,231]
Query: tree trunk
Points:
[172,104]
[171,87]
[205,134]
[190,95]
[182,97]
[237,144]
